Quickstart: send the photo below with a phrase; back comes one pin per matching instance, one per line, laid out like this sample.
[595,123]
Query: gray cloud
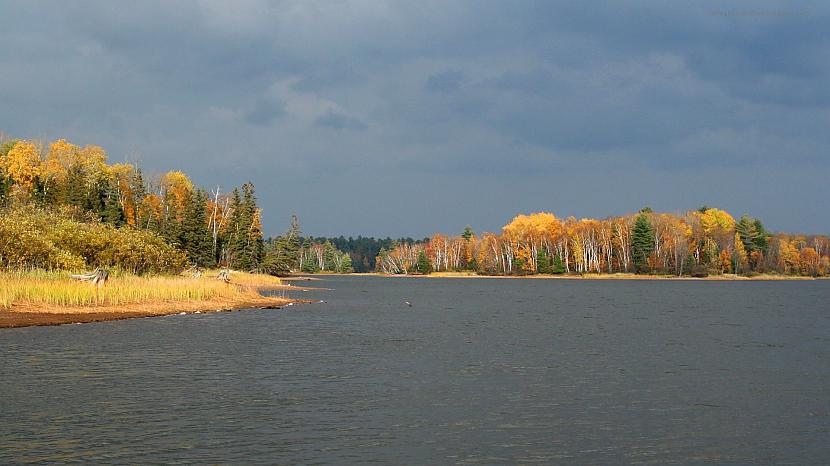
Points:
[447,81]
[428,116]
[264,112]
[339,121]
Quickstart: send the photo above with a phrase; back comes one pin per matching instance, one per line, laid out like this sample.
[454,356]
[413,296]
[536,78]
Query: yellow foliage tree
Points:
[23,165]
[741,257]
[177,189]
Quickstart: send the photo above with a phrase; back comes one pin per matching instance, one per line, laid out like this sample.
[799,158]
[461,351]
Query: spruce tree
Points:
[642,243]
[113,212]
[423,266]
[346,266]
[543,264]
[558,267]
[253,244]
[235,241]
[195,237]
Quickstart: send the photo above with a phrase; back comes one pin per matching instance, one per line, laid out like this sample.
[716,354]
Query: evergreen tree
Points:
[238,253]
[468,233]
[558,267]
[309,264]
[194,236]
[329,256]
[543,264]
[74,192]
[282,253]
[762,242]
[252,223]
[113,212]
[346,267]
[748,233]
[423,266]
[642,243]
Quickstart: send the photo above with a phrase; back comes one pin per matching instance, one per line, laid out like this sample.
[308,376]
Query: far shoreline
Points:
[615,276]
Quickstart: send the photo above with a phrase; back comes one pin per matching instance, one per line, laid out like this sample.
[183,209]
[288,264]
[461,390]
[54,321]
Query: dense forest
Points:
[707,241]
[64,207]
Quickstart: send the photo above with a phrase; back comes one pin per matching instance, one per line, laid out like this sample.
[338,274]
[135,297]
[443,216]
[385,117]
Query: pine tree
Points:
[762,242]
[194,235]
[253,244]
[543,264]
[423,265]
[235,241]
[745,228]
[282,253]
[642,243]
[558,267]
[329,256]
[346,267]
[113,212]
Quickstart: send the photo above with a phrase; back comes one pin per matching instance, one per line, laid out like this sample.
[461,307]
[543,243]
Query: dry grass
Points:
[56,290]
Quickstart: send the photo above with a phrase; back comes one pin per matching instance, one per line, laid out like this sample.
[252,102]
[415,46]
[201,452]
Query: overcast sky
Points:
[408,118]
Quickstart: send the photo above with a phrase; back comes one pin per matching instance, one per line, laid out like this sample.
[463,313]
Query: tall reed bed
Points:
[57,289]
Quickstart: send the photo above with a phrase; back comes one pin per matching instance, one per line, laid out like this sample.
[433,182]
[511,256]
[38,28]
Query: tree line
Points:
[702,242]
[61,180]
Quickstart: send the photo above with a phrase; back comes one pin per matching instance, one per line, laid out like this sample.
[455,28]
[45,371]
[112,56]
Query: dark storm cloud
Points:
[410,117]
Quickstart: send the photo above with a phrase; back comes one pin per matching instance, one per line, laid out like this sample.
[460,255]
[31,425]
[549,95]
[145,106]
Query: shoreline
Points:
[26,315]
[615,276]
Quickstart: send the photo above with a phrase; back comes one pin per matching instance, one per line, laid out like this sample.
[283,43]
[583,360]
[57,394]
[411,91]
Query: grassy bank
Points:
[54,297]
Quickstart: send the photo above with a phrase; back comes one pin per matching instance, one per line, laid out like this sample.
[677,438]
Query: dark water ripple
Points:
[477,371]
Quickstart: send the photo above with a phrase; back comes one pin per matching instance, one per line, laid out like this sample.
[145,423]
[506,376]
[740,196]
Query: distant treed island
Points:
[700,243]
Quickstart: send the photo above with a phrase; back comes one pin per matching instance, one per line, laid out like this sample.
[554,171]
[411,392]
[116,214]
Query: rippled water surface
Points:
[476,371]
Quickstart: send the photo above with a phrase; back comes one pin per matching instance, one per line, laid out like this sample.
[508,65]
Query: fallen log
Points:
[98,277]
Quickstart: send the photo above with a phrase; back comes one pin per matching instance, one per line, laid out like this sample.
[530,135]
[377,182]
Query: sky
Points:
[410,118]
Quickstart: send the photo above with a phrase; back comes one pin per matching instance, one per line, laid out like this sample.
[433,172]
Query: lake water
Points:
[476,371]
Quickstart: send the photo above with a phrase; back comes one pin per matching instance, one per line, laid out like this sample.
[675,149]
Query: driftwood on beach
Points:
[224,275]
[98,276]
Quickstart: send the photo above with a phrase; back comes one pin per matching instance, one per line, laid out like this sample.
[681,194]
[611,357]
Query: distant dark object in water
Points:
[408,303]
[98,276]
